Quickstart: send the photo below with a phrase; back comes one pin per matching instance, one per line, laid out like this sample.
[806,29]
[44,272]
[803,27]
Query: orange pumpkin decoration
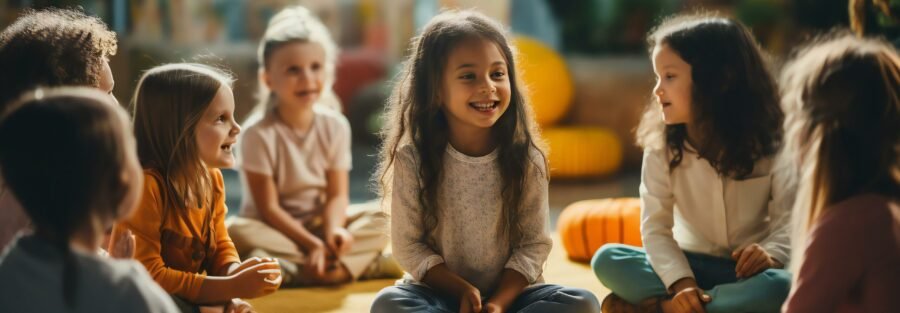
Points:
[585,226]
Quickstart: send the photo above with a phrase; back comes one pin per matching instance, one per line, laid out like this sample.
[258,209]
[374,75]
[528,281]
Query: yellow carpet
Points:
[357,297]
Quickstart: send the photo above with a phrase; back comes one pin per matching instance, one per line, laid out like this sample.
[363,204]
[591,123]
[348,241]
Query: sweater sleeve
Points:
[657,220]
[778,243]
[407,223]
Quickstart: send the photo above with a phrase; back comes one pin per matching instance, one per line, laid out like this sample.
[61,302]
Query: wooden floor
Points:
[357,297]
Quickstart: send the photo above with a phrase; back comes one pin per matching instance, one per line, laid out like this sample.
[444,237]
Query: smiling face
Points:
[476,89]
[217,130]
[673,85]
[295,73]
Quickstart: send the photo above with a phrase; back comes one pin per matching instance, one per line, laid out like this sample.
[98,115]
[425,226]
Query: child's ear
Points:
[264,78]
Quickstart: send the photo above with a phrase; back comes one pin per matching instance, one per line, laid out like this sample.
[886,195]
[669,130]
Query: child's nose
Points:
[307,75]
[657,90]
[488,87]
[235,129]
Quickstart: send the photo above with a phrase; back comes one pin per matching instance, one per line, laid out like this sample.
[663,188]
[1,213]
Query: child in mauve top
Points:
[842,99]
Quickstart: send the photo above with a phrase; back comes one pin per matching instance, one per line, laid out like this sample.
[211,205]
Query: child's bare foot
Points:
[334,275]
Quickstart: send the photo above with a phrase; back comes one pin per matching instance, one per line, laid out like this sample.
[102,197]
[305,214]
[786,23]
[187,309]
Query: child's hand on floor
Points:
[470,301]
[753,259]
[339,240]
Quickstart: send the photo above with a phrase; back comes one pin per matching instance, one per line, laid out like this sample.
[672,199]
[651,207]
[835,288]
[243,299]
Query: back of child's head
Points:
[68,157]
[842,99]
[734,97]
[168,103]
[50,48]
[292,25]
[414,113]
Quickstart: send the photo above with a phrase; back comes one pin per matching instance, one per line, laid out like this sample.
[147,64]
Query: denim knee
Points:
[387,299]
[581,300]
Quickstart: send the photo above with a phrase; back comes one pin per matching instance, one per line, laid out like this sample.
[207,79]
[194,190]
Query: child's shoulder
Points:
[128,279]
[537,157]
[152,179]
[260,123]
[407,153]
[330,118]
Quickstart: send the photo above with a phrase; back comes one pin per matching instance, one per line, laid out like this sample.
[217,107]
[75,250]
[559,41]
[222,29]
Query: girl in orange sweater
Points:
[185,128]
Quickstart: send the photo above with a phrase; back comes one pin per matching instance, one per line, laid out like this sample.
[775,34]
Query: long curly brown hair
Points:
[414,116]
[842,96]
[734,96]
[52,47]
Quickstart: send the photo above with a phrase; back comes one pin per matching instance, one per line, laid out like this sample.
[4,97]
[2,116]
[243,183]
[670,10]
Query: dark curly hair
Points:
[734,96]
[52,47]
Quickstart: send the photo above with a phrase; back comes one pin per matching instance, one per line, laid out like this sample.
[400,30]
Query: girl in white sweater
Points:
[715,212]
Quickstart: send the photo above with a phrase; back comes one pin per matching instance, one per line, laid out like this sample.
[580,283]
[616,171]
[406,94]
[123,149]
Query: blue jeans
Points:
[626,271]
[538,298]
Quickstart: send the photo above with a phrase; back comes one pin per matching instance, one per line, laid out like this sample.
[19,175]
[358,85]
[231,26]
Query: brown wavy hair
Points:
[52,47]
[734,97]
[842,98]
[168,103]
[414,116]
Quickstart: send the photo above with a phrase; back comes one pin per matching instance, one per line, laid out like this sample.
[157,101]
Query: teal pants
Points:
[626,271]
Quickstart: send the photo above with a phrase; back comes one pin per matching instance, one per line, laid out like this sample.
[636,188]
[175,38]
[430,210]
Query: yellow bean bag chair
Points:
[582,152]
[585,226]
[547,78]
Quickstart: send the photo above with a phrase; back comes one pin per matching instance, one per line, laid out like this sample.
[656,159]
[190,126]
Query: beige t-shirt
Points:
[296,161]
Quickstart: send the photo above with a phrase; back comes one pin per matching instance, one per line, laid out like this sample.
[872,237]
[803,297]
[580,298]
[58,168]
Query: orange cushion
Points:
[585,226]
[582,151]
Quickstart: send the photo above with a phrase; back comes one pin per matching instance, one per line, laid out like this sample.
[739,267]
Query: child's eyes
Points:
[467,76]
[221,118]
[316,66]
[498,74]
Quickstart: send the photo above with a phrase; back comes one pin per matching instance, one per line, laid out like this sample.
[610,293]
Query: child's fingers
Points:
[757,259]
[276,281]
[695,303]
[319,263]
[129,246]
[742,260]
[476,303]
[465,306]
[736,254]
[262,267]
[760,264]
